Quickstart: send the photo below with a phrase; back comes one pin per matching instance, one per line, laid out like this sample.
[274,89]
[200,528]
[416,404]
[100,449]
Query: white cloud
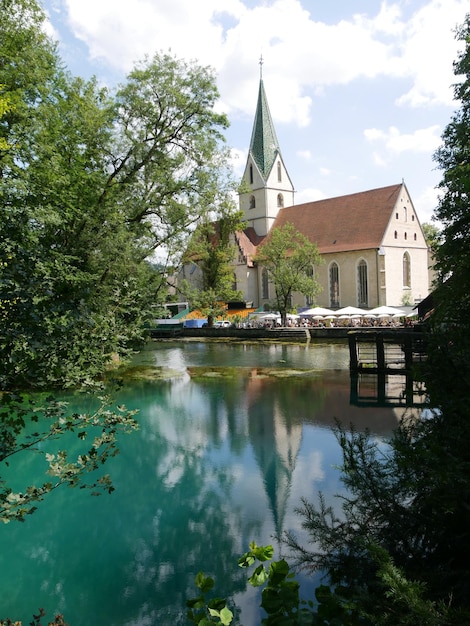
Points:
[123,32]
[303,56]
[426,203]
[379,159]
[305,154]
[421,140]
[429,49]
[238,161]
[309,195]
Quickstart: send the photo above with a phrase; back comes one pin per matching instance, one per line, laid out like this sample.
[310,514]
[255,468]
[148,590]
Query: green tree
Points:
[401,546]
[212,249]
[92,187]
[453,256]
[431,234]
[5,107]
[289,257]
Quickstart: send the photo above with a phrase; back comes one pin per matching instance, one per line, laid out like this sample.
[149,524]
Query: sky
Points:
[360,91]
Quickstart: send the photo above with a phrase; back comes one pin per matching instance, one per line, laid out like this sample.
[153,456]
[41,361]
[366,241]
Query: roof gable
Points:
[354,222]
[248,241]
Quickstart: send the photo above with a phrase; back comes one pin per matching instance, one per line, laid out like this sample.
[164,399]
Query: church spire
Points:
[264,145]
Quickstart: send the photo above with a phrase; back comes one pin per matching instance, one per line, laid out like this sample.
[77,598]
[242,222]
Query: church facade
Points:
[372,244]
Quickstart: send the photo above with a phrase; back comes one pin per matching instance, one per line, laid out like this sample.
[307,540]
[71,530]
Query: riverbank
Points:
[277,334]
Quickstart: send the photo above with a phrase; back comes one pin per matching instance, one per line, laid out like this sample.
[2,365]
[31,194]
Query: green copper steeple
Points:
[264,145]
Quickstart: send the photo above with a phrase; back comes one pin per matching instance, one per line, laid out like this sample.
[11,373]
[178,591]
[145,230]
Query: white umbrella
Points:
[386,311]
[350,310]
[266,316]
[317,310]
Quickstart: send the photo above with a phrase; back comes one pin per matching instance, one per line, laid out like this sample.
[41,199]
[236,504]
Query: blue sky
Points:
[359,90]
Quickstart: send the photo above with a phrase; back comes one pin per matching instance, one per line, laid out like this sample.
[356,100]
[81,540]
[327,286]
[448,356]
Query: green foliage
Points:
[453,255]
[432,236]
[92,186]
[58,620]
[280,595]
[28,428]
[289,257]
[205,612]
[212,250]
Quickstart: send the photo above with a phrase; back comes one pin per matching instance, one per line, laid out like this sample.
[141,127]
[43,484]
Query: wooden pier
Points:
[383,368]
[385,350]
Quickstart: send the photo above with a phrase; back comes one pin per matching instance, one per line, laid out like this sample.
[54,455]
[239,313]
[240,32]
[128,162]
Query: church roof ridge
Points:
[376,192]
[264,145]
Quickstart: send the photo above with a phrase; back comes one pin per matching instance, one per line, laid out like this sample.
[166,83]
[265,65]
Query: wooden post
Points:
[408,348]
[353,360]
[379,345]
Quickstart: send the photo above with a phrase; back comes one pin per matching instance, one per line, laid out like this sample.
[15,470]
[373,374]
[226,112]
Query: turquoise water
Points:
[217,462]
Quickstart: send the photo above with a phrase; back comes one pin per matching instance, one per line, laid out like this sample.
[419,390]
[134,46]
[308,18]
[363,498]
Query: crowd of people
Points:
[354,321]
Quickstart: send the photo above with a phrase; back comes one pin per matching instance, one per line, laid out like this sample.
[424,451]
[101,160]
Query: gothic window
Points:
[280,200]
[251,174]
[362,284]
[396,235]
[279,172]
[252,202]
[406,236]
[406,270]
[334,285]
[265,285]
[415,237]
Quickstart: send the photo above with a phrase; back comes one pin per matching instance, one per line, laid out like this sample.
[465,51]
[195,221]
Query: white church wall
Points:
[397,291]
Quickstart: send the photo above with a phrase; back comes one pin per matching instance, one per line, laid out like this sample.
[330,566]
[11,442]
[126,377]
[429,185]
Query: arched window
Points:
[251,174]
[252,202]
[415,237]
[334,285]
[280,200]
[396,235]
[279,172]
[362,284]
[406,270]
[265,285]
[406,235]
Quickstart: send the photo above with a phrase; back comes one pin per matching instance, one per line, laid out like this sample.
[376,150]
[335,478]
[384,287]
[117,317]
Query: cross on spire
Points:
[261,66]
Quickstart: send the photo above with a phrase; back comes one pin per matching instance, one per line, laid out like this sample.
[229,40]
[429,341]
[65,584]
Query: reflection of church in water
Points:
[276,444]
[276,421]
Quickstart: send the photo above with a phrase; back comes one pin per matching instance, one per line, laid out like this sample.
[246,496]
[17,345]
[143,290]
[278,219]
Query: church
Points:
[372,245]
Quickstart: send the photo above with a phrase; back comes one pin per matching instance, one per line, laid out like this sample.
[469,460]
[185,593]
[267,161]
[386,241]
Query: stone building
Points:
[371,242]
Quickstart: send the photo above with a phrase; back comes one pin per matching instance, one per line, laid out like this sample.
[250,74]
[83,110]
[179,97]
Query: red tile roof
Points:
[354,222]
[248,241]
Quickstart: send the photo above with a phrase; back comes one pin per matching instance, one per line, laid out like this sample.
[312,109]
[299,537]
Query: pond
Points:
[231,436]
